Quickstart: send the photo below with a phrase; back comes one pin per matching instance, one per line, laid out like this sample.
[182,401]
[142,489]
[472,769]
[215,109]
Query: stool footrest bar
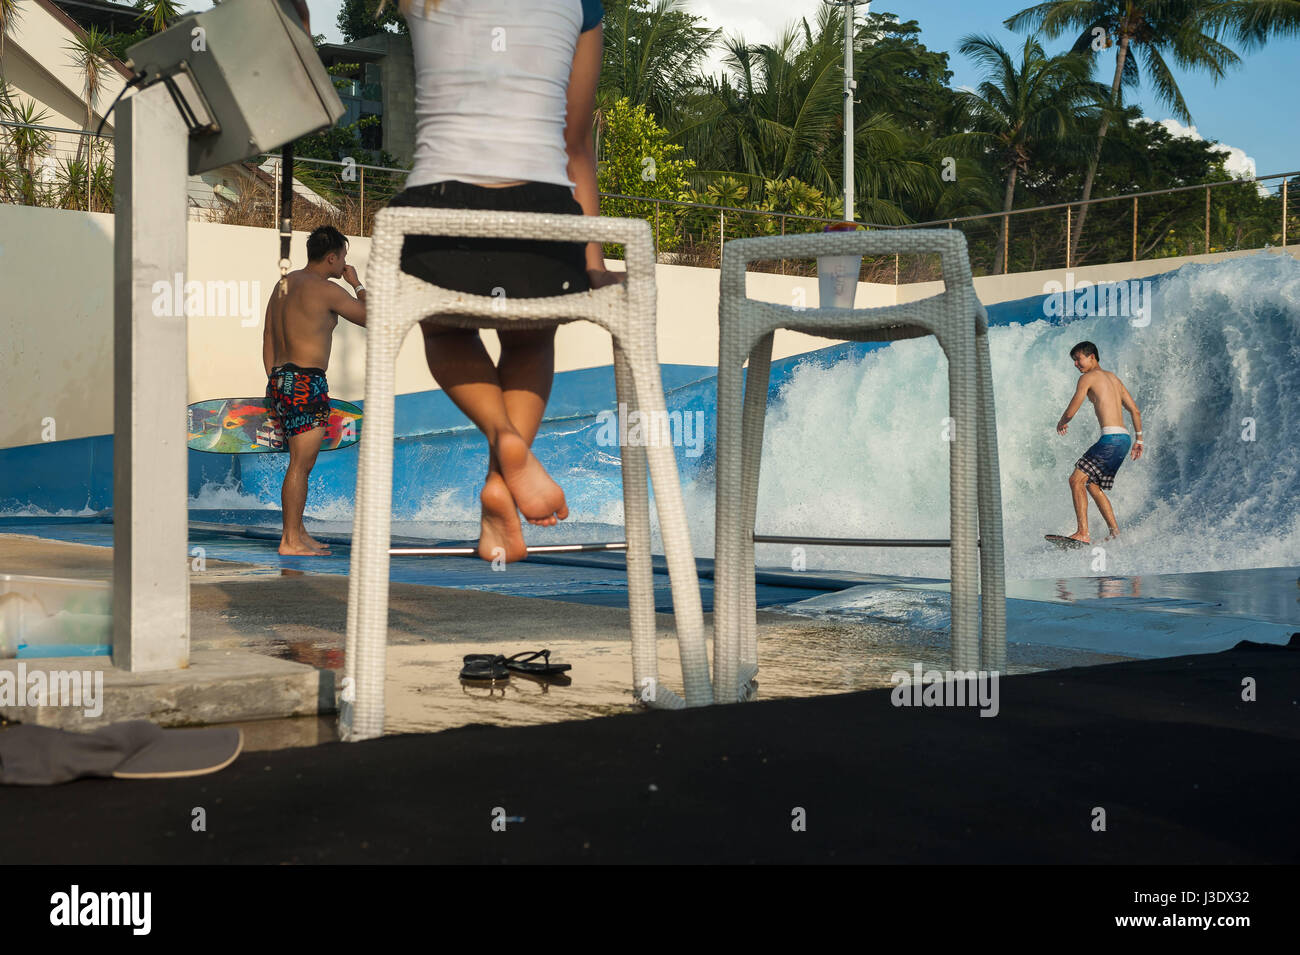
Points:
[473,551]
[853,541]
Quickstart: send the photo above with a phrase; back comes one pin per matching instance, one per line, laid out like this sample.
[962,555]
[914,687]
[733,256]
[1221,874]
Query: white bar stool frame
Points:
[956,318]
[398,301]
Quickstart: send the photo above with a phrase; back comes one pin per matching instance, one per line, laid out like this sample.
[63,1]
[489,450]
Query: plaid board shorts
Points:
[298,397]
[1101,461]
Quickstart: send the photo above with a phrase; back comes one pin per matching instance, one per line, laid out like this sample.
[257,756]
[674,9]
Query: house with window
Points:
[379,75]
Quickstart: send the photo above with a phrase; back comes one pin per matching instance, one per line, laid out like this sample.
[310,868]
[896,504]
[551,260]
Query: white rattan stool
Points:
[398,301]
[956,318]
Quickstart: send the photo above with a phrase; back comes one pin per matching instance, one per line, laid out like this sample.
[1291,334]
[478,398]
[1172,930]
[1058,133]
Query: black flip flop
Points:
[522,662]
[484,666]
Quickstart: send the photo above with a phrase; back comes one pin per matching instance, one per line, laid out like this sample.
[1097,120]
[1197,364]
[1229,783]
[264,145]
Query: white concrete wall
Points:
[56,318]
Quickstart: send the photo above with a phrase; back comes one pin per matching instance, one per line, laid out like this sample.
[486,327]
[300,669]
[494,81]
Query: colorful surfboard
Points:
[245,426]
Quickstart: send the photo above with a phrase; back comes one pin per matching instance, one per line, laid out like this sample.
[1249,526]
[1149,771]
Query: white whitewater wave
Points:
[857,449]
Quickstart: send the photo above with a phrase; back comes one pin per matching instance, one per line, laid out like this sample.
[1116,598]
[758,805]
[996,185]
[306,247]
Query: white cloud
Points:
[1238,163]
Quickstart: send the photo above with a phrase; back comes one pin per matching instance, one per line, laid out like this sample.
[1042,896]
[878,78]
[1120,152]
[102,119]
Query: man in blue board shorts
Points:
[1094,473]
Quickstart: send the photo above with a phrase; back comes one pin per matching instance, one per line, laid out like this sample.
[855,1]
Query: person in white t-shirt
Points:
[504,102]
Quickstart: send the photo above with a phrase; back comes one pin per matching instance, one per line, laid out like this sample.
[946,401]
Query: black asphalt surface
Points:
[1184,769]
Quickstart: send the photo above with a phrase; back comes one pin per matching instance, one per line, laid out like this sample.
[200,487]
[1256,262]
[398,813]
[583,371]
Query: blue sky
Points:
[1247,110]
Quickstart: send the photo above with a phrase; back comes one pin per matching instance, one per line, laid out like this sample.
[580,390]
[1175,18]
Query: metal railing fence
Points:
[70,168]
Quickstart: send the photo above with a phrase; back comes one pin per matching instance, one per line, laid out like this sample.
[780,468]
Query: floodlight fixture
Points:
[245,77]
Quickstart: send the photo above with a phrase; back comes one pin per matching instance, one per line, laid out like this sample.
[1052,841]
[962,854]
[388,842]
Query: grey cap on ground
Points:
[137,749]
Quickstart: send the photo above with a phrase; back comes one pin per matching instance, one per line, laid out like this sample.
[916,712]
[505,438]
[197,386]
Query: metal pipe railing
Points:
[723,211]
[471,551]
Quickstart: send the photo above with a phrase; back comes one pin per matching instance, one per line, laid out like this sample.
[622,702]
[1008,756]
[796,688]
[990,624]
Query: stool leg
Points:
[993,584]
[756,384]
[688,615]
[960,349]
[361,715]
[729,521]
[640,570]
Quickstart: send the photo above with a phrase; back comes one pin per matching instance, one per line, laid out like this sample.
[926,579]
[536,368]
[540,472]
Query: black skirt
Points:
[516,268]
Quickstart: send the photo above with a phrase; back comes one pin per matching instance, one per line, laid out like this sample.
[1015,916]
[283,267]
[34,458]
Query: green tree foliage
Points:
[653,52]
[89,53]
[766,131]
[339,142]
[1146,35]
[1021,107]
[151,16]
[357,19]
[777,113]
[156,15]
[118,43]
[22,151]
[638,160]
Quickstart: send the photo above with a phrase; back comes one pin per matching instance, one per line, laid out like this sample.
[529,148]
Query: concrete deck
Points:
[268,643]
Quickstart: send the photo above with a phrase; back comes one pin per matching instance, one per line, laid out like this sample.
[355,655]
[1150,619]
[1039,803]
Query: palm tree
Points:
[1252,22]
[1020,108]
[28,144]
[784,115]
[778,115]
[1141,30]
[653,53]
[158,13]
[90,54]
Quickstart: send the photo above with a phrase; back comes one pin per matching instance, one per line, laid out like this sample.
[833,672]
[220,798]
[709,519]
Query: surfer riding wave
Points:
[1094,473]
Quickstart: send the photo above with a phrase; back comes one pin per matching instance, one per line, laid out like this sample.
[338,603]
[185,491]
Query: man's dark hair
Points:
[1088,348]
[323,241]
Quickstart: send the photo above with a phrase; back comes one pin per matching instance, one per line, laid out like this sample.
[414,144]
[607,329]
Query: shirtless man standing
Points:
[1095,471]
[296,351]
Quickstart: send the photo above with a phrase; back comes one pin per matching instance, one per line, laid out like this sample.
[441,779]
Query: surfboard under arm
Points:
[246,426]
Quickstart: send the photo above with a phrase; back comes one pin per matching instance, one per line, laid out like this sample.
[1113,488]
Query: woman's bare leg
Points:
[526,369]
[463,368]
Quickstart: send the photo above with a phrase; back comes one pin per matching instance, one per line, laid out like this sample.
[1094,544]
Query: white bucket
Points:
[837,280]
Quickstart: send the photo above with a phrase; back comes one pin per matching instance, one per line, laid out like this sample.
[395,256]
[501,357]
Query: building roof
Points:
[53,9]
[113,17]
[349,53]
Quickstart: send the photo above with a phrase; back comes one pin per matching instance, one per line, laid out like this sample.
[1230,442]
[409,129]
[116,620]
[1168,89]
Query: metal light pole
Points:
[850,86]
[201,103]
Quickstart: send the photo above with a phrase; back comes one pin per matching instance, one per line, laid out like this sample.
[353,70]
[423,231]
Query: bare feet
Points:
[500,534]
[300,548]
[538,497]
[1081,536]
[314,544]
[1113,535]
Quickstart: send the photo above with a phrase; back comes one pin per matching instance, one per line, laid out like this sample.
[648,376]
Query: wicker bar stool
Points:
[956,318]
[397,302]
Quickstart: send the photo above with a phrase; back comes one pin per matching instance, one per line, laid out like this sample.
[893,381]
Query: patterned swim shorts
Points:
[1101,461]
[299,397]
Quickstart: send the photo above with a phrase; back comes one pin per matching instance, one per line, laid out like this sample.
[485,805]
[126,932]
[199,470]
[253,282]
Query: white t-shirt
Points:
[491,85]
